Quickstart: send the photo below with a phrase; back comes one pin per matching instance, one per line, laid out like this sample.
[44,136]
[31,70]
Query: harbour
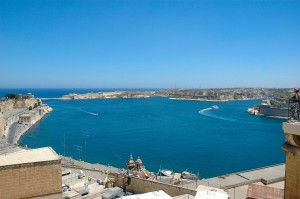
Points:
[80,177]
[122,123]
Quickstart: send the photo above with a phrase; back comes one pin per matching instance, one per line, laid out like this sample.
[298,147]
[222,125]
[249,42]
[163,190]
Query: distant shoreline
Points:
[171,98]
[204,100]
[208,95]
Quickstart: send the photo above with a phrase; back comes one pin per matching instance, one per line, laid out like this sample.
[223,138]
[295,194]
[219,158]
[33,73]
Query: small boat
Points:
[215,107]
[188,175]
[165,172]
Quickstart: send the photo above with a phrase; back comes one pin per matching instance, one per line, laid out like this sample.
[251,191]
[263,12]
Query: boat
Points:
[188,175]
[165,172]
[215,107]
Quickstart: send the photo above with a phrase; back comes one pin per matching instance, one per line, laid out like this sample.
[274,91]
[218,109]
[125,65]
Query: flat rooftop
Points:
[29,156]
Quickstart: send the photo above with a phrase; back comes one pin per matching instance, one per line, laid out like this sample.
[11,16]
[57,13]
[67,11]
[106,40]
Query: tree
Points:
[13,96]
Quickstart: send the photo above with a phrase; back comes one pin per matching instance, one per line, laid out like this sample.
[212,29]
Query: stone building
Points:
[29,118]
[32,173]
[130,163]
[26,119]
[137,169]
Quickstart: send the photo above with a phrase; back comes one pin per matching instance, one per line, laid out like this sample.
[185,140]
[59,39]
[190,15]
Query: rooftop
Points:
[29,156]
[150,195]
[259,191]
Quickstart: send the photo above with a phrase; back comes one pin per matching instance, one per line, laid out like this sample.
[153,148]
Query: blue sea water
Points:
[172,134]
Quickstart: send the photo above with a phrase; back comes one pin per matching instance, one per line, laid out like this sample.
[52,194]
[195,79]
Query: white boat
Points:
[165,172]
[215,107]
[188,175]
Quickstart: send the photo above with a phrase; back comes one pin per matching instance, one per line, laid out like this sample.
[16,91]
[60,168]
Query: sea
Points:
[169,134]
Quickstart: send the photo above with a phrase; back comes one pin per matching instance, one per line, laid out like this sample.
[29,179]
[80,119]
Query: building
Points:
[32,173]
[205,192]
[137,169]
[153,195]
[29,118]
[26,119]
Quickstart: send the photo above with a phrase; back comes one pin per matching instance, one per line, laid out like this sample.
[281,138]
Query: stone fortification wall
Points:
[270,111]
[25,103]
[31,180]
[6,105]
[2,125]
[138,185]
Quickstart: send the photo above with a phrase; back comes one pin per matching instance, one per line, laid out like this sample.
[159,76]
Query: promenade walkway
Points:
[237,184]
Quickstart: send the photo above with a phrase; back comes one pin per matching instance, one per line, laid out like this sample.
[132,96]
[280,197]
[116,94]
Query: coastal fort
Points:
[41,173]
[18,113]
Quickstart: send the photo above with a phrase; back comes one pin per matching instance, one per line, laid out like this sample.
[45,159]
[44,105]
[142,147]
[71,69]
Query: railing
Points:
[294,110]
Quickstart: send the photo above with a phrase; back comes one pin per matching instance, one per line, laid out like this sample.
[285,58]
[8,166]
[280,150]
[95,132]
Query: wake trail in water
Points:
[206,110]
[78,109]
[87,112]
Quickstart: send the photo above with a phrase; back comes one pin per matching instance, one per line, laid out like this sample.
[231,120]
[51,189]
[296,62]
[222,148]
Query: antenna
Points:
[160,173]
[64,144]
[85,134]
[79,149]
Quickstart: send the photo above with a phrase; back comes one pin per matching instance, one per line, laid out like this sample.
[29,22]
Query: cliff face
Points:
[2,125]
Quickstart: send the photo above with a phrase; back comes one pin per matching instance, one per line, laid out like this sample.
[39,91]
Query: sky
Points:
[149,44]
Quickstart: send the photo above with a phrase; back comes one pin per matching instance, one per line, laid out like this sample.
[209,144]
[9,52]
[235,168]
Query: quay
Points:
[236,184]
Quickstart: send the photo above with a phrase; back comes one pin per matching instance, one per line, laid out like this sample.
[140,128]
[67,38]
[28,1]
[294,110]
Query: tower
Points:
[130,163]
[138,164]
[291,147]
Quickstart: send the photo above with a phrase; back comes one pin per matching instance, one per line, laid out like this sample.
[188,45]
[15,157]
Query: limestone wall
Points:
[30,180]
[2,125]
[25,103]
[6,105]
[269,111]
[138,185]
[292,172]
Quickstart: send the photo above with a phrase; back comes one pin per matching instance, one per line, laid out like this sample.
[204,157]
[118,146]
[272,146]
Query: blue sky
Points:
[149,44]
